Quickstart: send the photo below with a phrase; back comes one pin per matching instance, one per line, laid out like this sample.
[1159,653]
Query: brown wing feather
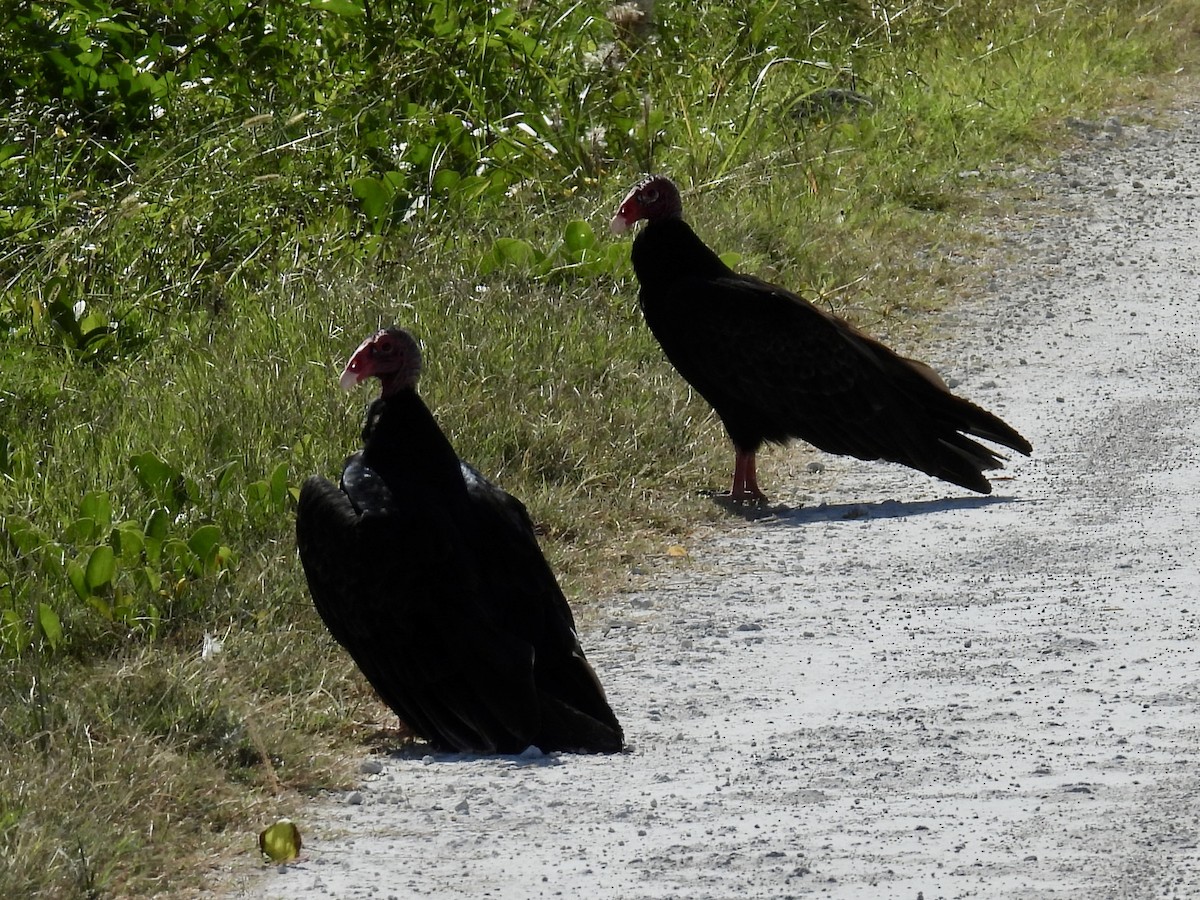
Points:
[575,710]
[775,367]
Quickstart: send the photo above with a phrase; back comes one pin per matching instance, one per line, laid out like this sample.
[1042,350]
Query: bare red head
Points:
[391,355]
[654,199]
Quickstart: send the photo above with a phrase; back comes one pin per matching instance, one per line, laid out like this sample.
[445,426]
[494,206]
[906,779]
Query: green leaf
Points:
[128,540]
[91,324]
[154,474]
[78,579]
[110,26]
[180,558]
[226,474]
[279,485]
[23,534]
[148,578]
[150,619]
[101,567]
[374,195]
[346,8]
[515,252]
[419,155]
[445,181]
[257,494]
[579,236]
[224,558]
[81,530]
[158,524]
[102,606]
[472,187]
[98,506]
[155,533]
[63,316]
[49,625]
[280,842]
[14,636]
[204,542]
[396,181]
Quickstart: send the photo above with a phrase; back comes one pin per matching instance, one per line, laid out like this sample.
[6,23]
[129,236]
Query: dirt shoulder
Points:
[898,690]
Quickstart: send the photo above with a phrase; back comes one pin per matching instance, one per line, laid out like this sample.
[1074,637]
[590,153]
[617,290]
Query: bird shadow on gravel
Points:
[530,758]
[838,512]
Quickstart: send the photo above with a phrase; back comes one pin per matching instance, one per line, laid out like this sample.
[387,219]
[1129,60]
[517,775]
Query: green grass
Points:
[188,287]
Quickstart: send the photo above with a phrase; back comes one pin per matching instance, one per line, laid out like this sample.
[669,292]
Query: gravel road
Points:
[895,689]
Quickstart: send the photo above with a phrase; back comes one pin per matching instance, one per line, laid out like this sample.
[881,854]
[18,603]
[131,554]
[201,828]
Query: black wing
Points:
[575,712]
[775,367]
[395,591]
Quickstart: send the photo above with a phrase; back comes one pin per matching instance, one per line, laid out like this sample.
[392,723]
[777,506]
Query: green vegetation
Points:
[205,206]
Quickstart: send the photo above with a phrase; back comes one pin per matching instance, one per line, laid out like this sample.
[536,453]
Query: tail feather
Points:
[963,462]
[981,423]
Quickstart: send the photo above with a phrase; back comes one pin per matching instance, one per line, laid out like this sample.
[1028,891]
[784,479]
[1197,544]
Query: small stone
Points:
[354,798]
[371,767]
[462,807]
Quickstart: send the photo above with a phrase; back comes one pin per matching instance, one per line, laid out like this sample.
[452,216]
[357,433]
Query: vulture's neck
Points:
[669,249]
[404,445]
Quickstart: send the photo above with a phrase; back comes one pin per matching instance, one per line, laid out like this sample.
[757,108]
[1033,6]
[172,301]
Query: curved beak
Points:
[624,218]
[357,370]
[350,378]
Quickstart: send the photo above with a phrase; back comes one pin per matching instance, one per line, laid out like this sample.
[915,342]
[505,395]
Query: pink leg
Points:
[745,479]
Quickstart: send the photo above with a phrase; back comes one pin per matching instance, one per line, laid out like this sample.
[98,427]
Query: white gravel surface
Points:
[897,690]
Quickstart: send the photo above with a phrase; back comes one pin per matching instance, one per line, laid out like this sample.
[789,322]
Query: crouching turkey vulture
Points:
[775,367]
[432,578]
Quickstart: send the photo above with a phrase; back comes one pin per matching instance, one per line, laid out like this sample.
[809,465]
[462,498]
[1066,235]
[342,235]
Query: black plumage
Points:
[433,580]
[775,367]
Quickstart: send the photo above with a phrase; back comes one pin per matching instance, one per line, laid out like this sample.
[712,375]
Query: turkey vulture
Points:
[775,367]
[432,578]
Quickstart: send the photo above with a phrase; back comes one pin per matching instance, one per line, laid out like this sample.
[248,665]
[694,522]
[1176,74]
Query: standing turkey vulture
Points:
[432,578]
[775,367]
